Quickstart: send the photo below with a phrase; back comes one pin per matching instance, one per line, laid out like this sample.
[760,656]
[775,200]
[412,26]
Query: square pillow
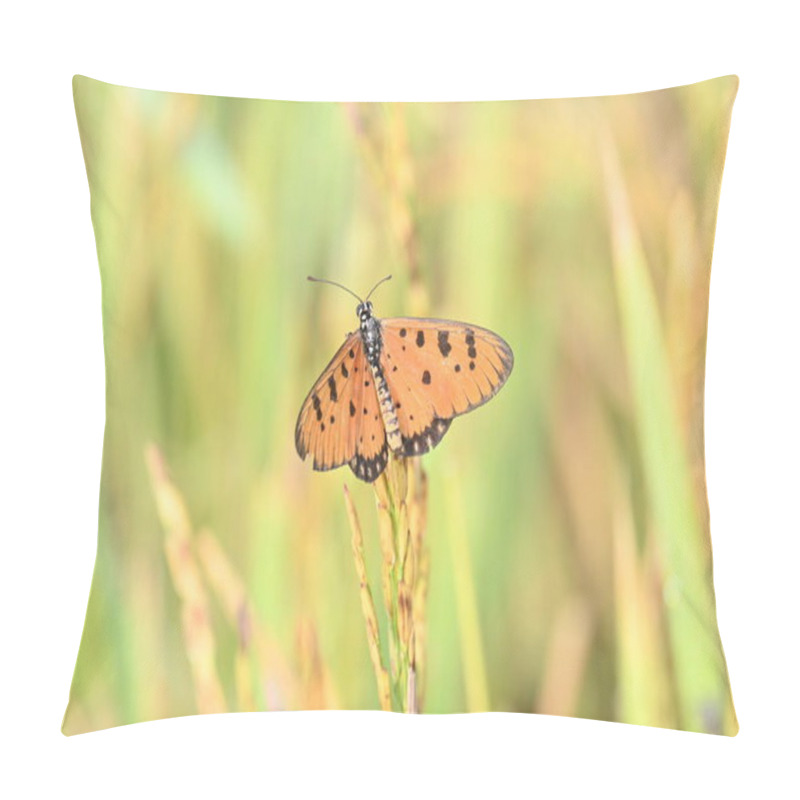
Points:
[484,490]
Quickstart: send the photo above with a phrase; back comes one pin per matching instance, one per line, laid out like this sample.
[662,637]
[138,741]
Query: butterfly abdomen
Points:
[371,336]
[388,411]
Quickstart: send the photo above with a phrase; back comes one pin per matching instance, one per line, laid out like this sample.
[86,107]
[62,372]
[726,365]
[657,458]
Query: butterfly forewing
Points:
[325,427]
[438,369]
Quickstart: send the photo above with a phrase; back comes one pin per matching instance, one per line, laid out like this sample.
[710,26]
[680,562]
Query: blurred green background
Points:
[569,514]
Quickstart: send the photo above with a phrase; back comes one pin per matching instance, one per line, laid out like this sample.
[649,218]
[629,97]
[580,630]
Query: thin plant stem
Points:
[368,607]
[198,634]
[403,563]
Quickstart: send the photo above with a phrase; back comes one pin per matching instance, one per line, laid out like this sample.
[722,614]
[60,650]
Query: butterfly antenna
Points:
[382,280]
[333,283]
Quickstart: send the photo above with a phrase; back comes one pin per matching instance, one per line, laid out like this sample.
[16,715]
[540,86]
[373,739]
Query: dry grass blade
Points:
[644,694]
[317,691]
[566,660]
[229,588]
[186,578]
[368,607]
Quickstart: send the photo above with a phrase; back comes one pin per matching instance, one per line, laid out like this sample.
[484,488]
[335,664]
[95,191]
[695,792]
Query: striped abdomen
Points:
[388,411]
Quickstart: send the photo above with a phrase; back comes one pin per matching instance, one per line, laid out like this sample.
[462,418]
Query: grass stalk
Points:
[230,591]
[566,661]
[368,607]
[401,495]
[684,550]
[643,694]
[186,577]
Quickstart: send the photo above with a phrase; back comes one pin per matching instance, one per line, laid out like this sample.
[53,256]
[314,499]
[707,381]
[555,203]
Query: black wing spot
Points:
[444,345]
[332,387]
[352,409]
[316,405]
[345,373]
[426,378]
[351,353]
[420,338]
[472,352]
[333,419]
[366,383]
[472,365]
[394,368]
[457,367]
[366,412]
[403,332]
[322,425]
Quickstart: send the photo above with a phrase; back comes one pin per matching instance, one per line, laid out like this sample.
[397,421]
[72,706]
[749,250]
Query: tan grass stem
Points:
[229,589]
[368,607]
[400,497]
[187,580]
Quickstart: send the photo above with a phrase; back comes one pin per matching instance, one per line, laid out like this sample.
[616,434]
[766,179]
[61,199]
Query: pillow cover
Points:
[493,495]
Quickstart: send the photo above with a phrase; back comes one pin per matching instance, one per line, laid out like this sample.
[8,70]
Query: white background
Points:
[51,368]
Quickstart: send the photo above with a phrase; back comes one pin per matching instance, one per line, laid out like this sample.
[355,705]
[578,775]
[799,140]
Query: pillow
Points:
[493,496]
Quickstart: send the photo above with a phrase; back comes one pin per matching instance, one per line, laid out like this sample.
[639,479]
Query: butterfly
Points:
[395,385]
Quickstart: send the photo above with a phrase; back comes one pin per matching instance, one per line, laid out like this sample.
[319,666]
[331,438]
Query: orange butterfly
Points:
[396,384]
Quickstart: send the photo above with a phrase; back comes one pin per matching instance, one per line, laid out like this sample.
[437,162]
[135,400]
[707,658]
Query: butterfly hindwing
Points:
[340,422]
[437,370]
[371,449]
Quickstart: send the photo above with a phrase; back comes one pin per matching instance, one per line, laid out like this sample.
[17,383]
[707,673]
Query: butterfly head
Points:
[364,307]
[364,311]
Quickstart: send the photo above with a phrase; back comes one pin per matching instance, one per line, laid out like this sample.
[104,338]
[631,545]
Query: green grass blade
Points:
[698,662]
